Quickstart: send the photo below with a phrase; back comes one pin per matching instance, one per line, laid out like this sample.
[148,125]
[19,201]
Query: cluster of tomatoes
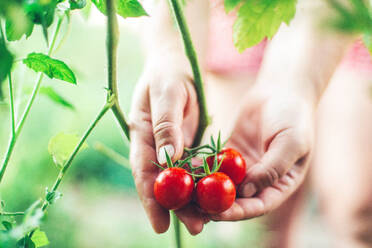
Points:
[212,186]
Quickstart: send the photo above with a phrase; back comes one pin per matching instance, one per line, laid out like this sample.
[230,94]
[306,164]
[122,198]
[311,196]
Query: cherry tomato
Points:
[173,188]
[215,193]
[232,165]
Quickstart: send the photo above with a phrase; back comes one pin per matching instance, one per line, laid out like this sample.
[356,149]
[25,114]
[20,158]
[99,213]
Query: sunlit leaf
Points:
[260,19]
[53,68]
[125,8]
[39,238]
[61,147]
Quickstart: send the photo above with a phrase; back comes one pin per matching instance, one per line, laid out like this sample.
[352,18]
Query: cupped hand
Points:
[164,117]
[274,133]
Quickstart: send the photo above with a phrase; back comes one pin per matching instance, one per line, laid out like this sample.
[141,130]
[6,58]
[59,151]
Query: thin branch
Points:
[198,81]
[112,45]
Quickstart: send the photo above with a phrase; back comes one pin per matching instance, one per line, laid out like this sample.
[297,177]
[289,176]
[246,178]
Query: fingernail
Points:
[162,159]
[248,190]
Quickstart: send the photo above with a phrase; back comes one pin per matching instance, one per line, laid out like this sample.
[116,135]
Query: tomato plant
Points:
[256,20]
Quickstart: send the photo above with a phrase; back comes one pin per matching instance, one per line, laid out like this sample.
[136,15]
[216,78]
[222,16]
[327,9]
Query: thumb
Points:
[167,107]
[284,151]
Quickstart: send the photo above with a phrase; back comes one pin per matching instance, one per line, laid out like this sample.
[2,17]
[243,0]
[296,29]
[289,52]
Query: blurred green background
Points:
[99,206]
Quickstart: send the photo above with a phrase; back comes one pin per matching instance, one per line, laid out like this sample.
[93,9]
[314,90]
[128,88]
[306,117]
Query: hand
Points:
[274,133]
[164,116]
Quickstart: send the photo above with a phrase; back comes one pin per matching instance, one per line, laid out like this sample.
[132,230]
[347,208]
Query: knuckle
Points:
[271,176]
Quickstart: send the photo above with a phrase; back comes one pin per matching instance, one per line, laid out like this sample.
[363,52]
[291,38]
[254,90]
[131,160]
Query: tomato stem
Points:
[12,213]
[112,46]
[192,57]
[177,230]
[26,112]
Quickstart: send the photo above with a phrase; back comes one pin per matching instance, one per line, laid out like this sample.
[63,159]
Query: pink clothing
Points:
[223,58]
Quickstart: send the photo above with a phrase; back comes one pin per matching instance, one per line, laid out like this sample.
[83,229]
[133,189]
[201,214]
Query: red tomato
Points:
[232,165]
[215,193]
[173,188]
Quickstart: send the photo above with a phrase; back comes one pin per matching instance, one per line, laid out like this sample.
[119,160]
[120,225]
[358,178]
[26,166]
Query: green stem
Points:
[110,153]
[198,82]
[112,46]
[11,213]
[28,107]
[11,104]
[177,230]
[63,171]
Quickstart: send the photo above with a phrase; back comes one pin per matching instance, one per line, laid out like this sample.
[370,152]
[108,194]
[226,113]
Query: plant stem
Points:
[11,213]
[198,82]
[177,230]
[11,99]
[28,107]
[118,158]
[67,165]
[112,45]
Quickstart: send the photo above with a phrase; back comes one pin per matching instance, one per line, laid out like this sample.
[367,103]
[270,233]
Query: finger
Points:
[167,103]
[193,219]
[269,199]
[142,152]
[283,152]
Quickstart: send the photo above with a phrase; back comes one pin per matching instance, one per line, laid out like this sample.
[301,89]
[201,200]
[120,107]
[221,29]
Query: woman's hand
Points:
[274,133]
[164,117]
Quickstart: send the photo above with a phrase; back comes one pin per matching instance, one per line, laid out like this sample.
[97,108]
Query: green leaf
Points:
[125,8]
[77,4]
[39,238]
[259,19]
[15,32]
[130,8]
[6,61]
[53,68]
[230,5]
[55,97]
[7,225]
[61,146]
[367,38]
[25,242]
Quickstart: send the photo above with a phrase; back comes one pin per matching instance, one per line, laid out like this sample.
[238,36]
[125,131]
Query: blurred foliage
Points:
[99,206]
[354,17]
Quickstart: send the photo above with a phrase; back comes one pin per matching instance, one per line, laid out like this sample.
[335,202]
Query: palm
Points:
[274,137]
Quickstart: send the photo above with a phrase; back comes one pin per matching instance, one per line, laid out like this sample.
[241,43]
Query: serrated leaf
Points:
[53,68]
[125,8]
[260,19]
[55,97]
[230,5]
[39,238]
[62,145]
